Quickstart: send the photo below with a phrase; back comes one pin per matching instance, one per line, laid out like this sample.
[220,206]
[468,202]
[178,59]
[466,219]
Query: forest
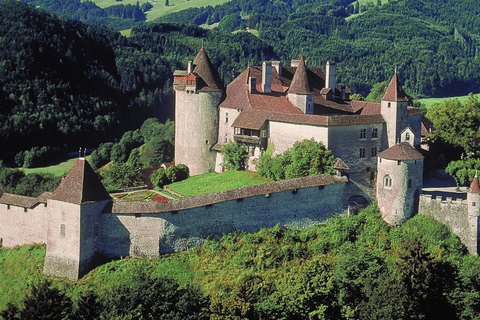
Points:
[355,267]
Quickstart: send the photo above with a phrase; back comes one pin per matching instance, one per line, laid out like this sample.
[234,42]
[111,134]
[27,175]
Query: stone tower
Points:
[399,182]
[73,231]
[197,96]
[299,93]
[473,204]
[394,110]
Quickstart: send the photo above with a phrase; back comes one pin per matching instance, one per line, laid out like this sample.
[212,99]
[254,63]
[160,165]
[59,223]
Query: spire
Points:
[204,69]
[474,187]
[81,185]
[394,90]
[300,83]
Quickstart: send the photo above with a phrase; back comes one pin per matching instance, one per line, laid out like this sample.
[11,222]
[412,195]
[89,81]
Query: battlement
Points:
[439,200]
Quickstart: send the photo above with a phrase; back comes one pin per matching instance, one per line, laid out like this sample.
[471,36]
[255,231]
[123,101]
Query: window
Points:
[399,162]
[363,133]
[409,183]
[206,141]
[374,133]
[190,82]
[62,230]
[473,204]
[407,136]
[362,152]
[237,130]
[387,181]
[389,104]
[226,137]
[374,151]
[226,117]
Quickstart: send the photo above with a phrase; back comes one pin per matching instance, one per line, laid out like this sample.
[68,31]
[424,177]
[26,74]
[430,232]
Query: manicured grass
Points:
[58,169]
[429,101]
[139,196]
[215,182]
[159,9]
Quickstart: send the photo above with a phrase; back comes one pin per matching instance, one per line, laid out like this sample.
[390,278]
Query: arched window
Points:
[387,181]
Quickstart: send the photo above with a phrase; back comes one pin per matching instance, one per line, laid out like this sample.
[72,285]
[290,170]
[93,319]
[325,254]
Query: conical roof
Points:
[203,67]
[299,83]
[401,151]
[80,185]
[394,90]
[474,187]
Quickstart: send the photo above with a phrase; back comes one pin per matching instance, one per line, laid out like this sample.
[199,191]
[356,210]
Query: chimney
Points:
[189,66]
[330,76]
[252,84]
[278,66]
[267,77]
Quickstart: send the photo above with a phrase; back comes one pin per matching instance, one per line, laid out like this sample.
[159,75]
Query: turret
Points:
[394,110]
[197,98]
[399,182]
[73,234]
[299,93]
[473,204]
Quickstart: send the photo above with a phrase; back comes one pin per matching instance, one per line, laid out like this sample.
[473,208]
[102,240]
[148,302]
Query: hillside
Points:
[355,267]
[66,84]
[433,44]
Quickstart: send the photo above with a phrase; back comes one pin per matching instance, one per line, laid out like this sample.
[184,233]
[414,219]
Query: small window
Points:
[374,151]
[362,152]
[474,204]
[206,141]
[363,133]
[389,104]
[226,117]
[62,230]
[409,183]
[238,131]
[374,133]
[399,162]
[407,136]
[226,137]
[387,181]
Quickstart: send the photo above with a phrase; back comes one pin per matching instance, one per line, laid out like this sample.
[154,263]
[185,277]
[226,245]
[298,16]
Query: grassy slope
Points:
[214,182]
[159,8]
[429,101]
[58,169]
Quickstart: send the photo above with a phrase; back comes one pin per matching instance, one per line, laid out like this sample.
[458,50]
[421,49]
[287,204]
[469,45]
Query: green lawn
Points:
[58,169]
[429,101]
[215,182]
[159,9]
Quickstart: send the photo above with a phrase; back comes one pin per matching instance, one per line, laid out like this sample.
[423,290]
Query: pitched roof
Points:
[401,151]
[299,83]
[80,185]
[23,201]
[394,90]
[205,70]
[340,165]
[474,187]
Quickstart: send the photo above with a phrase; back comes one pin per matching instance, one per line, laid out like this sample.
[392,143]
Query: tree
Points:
[357,96]
[235,156]
[458,124]
[377,92]
[120,175]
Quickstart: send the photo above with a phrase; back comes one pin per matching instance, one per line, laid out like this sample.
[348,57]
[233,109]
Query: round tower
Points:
[473,205]
[399,182]
[197,96]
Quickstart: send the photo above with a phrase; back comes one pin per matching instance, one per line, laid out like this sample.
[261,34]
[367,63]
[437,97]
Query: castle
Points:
[81,224]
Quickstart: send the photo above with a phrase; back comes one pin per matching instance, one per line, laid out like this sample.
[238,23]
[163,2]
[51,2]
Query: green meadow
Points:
[430,101]
[159,9]
[216,182]
[57,169]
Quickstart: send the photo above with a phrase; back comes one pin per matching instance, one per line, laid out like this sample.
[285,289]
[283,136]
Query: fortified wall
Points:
[455,215]
[80,221]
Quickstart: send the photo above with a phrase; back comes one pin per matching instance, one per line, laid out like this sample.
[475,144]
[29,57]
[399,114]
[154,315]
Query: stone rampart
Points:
[454,214]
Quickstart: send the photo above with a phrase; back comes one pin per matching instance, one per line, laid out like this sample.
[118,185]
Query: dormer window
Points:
[407,136]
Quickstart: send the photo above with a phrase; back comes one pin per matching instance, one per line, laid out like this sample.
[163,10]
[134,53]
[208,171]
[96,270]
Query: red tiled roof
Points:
[401,151]
[80,185]
[299,83]
[394,90]
[474,187]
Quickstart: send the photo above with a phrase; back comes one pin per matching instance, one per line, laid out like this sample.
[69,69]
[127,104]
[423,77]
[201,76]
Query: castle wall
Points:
[20,226]
[284,135]
[196,130]
[148,235]
[454,214]
[346,141]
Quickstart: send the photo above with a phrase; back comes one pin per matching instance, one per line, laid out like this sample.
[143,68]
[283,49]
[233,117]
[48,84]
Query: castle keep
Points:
[375,145]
